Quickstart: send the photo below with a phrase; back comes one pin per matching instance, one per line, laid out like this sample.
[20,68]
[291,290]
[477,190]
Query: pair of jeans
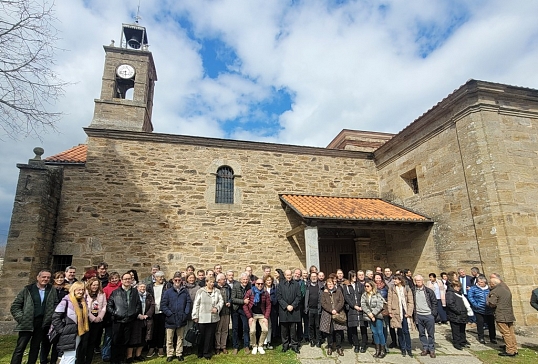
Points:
[239,318]
[441,311]
[377,331]
[107,342]
[426,331]
[404,337]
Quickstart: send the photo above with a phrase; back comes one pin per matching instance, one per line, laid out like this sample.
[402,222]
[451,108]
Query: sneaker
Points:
[247,350]
[269,346]
[151,353]
[260,350]
[234,352]
[255,350]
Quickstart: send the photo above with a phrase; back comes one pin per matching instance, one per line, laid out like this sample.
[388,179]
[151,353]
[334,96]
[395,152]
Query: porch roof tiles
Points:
[349,208]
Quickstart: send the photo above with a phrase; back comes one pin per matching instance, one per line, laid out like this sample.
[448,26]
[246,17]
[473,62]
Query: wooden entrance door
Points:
[335,254]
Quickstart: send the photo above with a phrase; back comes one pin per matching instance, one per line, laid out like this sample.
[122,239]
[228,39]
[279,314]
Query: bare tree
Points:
[28,85]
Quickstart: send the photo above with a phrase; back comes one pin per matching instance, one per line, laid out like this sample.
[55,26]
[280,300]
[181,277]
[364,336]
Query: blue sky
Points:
[294,72]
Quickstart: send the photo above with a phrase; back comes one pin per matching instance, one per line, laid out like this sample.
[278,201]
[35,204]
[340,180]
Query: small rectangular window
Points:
[60,262]
[411,179]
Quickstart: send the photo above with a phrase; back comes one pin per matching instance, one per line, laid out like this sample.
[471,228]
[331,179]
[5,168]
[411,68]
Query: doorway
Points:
[337,254]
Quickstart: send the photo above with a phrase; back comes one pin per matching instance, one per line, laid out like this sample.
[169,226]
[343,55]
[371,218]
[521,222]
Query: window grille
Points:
[60,262]
[225,185]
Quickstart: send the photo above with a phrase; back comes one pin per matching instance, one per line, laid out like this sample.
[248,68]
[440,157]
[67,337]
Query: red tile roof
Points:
[74,155]
[349,208]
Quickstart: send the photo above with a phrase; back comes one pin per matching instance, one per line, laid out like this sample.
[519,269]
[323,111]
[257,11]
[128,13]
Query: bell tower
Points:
[126,100]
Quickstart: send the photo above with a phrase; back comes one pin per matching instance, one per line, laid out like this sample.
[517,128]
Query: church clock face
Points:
[125,71]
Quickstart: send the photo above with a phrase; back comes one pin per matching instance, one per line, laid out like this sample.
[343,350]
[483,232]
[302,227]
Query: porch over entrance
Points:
[349,232]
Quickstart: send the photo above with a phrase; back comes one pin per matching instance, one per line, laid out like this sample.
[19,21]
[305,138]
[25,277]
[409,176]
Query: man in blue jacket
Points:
[176,305]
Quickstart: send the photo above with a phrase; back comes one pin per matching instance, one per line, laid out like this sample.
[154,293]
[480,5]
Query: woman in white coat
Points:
[207,305]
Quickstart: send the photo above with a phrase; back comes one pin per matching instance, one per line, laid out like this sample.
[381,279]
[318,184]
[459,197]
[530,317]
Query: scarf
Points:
[81,310]
[143,301]
[466,303]
[400,291]
[257,294]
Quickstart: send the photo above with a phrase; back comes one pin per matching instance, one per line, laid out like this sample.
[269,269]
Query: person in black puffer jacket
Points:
[457,314]
[70,319]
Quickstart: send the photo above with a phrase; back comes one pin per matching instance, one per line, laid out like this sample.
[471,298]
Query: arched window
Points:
[225,185]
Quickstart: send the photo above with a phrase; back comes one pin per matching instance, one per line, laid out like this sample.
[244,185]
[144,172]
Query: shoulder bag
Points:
[339,317]
[53,334]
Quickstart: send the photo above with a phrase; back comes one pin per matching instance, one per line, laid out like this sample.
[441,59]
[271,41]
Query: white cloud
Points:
[354,66]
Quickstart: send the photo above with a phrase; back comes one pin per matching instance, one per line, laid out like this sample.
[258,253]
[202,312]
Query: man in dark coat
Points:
[500,298]
[32,309]
[239,290]
[125,307]
[425,313]
[176,305]
[289,299]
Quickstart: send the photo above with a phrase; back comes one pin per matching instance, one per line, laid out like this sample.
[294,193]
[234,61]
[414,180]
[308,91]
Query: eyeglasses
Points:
[259,284]
[177,280]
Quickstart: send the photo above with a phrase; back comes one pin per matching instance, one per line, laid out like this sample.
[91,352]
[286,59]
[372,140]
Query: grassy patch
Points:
[7,344]
[528,355]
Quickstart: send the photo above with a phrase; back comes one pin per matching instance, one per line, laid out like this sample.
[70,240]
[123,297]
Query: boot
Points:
[330,349]
[383,352]
[377,350]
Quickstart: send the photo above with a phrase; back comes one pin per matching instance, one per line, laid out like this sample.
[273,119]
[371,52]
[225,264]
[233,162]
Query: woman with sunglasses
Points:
[400,306]
[372,305]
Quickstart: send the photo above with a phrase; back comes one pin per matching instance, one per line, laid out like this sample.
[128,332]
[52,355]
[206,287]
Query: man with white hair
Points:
[289,299]
[238,299]
[500,299]
[425,313]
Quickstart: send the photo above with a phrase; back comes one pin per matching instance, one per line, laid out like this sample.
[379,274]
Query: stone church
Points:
[456,188]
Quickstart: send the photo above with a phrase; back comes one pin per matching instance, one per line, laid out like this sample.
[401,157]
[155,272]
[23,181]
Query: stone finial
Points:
[37,159]
[111,43]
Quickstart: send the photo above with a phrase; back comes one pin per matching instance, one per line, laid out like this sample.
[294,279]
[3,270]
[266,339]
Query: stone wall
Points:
[33,223]
[475,162]
[140,202]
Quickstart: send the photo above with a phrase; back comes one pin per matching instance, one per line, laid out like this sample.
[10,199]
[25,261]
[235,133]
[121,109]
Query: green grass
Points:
[528,355]
[7,344]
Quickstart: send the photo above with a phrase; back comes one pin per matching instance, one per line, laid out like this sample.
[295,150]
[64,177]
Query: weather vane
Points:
[137,17]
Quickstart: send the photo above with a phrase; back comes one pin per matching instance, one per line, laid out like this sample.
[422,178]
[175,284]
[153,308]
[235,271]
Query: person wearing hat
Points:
[176,304]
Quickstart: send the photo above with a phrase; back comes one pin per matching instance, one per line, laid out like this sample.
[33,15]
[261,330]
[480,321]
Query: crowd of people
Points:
[119,316]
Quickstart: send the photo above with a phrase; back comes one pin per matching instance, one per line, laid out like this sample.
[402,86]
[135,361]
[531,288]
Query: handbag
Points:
[193,335]
[53,334]
[339,317]
[385,310]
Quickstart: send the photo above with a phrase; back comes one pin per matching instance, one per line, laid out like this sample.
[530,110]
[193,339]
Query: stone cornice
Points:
[474,96]
[223,143]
